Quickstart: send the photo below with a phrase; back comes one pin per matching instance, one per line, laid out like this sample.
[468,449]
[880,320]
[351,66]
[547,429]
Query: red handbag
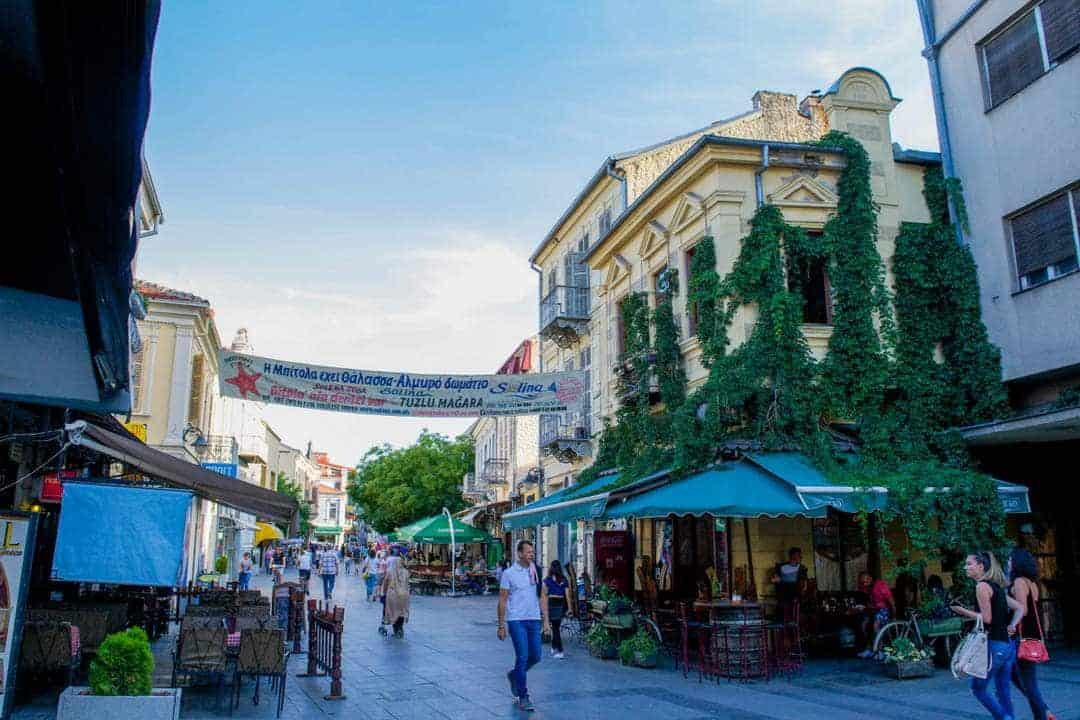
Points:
[1033,649]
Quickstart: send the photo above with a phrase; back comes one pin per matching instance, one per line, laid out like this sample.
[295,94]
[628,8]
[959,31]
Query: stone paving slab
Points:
[451,665]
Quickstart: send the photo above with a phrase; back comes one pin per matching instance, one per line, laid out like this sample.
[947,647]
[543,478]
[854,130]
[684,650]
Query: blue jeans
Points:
[328,585]
[525,634]
[1025,678]
[370,585]
[1002,657]
[245,579]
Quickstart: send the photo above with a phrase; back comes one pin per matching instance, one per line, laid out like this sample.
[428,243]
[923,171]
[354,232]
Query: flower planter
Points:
[622,620]
[76,703]
[935,628]
[907,669]
[598,606]
[609,652]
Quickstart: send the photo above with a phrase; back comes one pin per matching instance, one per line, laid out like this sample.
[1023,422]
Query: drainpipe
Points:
[540,363]
[926,18]
[758,184]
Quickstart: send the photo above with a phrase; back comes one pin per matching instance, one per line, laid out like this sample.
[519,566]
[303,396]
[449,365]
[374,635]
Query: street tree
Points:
[395,486]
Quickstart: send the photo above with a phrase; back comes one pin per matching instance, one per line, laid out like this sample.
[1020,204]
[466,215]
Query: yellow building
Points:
[645,211]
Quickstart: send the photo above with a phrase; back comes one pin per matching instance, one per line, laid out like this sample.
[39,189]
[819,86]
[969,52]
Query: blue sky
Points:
[360,184]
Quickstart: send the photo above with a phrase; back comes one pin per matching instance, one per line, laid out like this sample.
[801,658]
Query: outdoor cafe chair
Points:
[200,654]
[50,648]
[262,654]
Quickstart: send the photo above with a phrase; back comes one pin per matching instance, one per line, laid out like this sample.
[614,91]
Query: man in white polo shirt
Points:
[522,614]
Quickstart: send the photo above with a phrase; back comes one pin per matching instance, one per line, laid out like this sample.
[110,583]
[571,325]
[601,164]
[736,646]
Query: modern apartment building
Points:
[1006,82]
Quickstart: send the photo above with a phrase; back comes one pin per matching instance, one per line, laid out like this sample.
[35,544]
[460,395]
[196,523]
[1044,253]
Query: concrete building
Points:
[1006,83]
[331,498]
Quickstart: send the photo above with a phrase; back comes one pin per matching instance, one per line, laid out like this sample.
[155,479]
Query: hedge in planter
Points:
[601,642]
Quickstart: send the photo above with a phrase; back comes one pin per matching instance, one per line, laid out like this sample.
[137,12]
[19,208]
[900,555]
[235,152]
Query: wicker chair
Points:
[200,654]
[48,649]
[262,654]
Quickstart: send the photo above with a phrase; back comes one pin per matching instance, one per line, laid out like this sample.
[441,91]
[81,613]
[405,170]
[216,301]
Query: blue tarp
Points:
[120,535]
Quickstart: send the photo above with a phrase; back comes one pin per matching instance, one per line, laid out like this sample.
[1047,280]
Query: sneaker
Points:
[558,655]
[525,704]
[513,686]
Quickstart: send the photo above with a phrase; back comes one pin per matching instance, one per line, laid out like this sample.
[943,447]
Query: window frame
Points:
[1034,10]
[1070,192]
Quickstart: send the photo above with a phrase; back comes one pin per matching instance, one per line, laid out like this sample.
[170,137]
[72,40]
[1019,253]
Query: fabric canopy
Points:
[815,491]
[584,501]
[121,535]
[266,531]
[184,475]
[435,530]
[738,489]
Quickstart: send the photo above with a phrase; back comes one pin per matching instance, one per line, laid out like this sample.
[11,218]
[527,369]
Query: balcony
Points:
[253,448]
[495,471]
[565,436]
[564,315]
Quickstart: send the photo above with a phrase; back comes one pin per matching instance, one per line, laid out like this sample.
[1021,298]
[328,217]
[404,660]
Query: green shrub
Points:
[221,565]
[124,665]
[599,637]
[640,642]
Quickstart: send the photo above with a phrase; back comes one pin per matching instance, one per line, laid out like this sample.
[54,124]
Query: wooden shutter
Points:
[1013,60]
[1061,27]
[195,405]
[1043,236]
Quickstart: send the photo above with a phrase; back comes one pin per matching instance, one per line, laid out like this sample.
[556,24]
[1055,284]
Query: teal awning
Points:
[738,489]
[815,491]
[577,502]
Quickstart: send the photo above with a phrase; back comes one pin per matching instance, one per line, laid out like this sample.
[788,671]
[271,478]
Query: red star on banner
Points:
[244,383]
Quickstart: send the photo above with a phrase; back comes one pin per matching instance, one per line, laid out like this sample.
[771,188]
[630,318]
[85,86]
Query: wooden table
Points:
[722,610]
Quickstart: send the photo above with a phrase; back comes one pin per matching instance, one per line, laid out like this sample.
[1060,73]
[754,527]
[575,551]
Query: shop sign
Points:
[229,469]
[16,552]
[137,429]
[405,394]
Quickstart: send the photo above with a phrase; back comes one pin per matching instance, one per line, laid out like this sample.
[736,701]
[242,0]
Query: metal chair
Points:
[786,639]
[262,654]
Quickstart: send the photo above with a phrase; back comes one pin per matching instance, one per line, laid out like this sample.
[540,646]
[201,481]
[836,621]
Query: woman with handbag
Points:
[994,605]
[1031,650]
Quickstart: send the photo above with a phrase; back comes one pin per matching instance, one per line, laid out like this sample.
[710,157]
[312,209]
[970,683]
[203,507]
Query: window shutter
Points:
[1061,27]
[1043,236]
[1013,59]
[195,404]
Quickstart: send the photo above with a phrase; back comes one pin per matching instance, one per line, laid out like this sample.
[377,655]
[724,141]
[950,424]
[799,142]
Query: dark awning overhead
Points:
[177,473]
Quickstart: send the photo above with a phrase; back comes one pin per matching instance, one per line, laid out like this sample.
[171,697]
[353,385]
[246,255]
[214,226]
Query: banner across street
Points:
[381,392]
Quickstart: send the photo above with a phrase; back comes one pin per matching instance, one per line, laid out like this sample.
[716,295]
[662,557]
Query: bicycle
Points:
[923,633]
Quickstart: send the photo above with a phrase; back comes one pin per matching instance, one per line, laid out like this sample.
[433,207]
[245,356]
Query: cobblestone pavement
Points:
[451,665]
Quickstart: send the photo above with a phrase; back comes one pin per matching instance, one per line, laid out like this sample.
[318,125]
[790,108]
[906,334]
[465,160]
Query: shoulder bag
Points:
[972,656]
[1033,649]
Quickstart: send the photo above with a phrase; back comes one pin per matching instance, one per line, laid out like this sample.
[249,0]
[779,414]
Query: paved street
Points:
[451,665]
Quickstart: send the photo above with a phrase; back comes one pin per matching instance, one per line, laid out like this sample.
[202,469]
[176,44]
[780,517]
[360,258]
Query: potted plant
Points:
[904,660]
[929,627]
[221,565]
[604,594]
[601,642]
[639,650]
[121,684]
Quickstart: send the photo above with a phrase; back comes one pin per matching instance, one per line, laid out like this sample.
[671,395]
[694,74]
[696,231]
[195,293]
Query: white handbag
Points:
[972,656]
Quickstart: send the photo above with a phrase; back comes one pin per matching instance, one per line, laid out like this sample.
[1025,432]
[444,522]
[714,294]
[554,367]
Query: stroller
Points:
[387,629]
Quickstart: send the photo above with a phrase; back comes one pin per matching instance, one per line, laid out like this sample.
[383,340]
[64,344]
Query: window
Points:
[195,404]
[691,309]
[583,243]
[620,331]
[138,380]
[605,222]
[553,277]
[1045,239]
[586,358]
[811,279]
[1029,47]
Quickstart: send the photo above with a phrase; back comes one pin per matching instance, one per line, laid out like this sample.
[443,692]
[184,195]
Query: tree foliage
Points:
[395,486]
[286,487]
[124,664]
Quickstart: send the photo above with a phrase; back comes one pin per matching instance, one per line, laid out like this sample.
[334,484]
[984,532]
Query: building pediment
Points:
[617,269]
[690,208]
[656,239]
[803,191]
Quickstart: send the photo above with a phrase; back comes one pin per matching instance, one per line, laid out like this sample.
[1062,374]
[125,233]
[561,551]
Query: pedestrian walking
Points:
[522,615]
[993,607]
[328,567]
[268,559]
[303,565]
[380,569]
[555,593]
[395,595]
[244,574]
[367,571]
[348,561]
[1023,574]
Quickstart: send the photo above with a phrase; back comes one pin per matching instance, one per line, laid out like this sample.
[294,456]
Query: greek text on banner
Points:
[378,392]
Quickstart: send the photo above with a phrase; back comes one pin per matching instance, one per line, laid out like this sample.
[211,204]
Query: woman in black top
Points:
[1024,588]
[555,586]
[994,605]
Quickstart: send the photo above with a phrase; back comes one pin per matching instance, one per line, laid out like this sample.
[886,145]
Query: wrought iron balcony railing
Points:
[564,314]
[221,448]
[494,471]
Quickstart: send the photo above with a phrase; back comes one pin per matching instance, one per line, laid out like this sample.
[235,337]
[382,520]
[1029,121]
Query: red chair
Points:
[699,633]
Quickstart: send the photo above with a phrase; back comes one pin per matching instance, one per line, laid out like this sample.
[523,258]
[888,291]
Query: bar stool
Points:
[702,633]
[786,639]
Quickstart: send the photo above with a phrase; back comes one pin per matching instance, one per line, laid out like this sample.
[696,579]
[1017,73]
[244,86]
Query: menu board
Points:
[16,552]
